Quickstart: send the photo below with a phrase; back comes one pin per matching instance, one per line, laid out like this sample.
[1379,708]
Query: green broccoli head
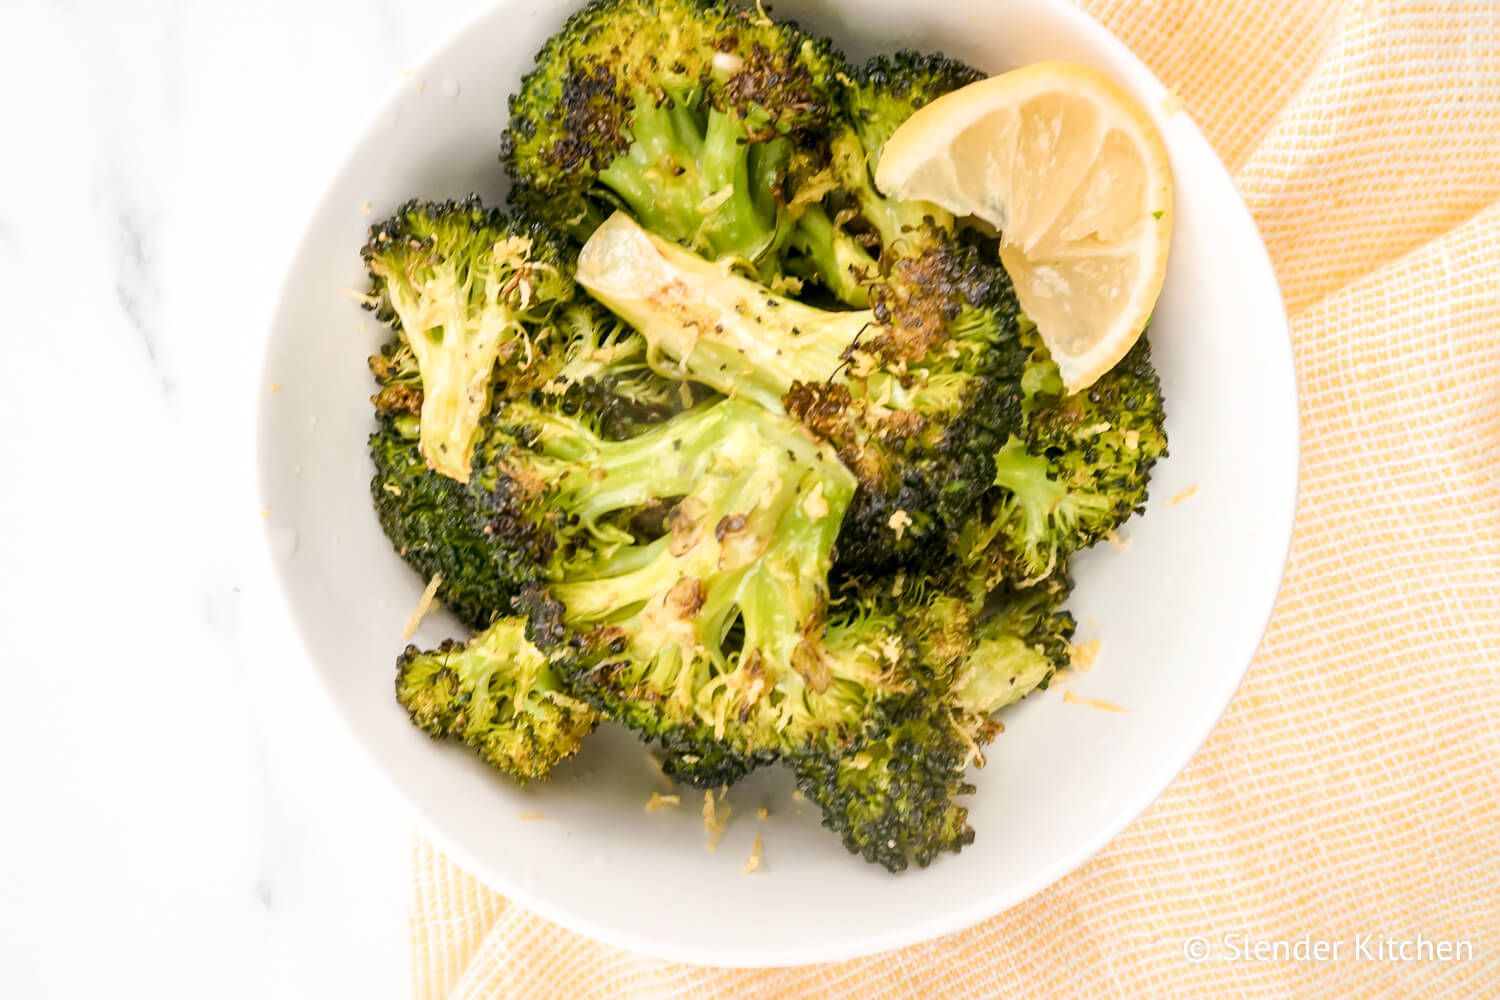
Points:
[895,800]
[1080,466]
[533,507]
[889,89]
[927,396]
[590,368]
[430,520]
[716,634]
[598,370]
[839,240]
[916,394]
[395,370]
[466,290]
[499,695]
[688,113]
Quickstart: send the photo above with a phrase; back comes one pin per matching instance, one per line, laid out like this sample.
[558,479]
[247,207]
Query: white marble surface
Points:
[178,817]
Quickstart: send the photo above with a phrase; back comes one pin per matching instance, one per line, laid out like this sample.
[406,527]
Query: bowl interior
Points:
[1179,611]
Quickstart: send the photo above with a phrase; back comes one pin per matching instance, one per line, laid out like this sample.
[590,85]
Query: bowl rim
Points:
[268,602]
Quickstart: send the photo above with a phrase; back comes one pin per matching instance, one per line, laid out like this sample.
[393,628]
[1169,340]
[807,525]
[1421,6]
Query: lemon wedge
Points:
[1074,175]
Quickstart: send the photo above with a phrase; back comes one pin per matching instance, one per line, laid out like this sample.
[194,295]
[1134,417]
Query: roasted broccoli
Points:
[690,114]
[499,695]
[588,365]
[714,439]
[840,239]
[689,565]
[432,522]
[598,369]
[894,801]
[1076,470]
[466,289]
[916,394]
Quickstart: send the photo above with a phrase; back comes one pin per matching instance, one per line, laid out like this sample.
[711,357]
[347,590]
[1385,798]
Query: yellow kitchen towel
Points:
[1354,785]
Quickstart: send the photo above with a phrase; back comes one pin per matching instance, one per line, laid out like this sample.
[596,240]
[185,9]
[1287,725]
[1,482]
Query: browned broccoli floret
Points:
[689,114]
[916,394]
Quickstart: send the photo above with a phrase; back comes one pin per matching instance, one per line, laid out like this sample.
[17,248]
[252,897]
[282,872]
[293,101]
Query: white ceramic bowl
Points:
[1180,612]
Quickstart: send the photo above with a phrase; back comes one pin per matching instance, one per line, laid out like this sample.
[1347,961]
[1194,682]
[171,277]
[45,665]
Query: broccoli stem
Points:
[999,671]
[690,180]
[899,223]
[727,332]
[835,257]
[595,476]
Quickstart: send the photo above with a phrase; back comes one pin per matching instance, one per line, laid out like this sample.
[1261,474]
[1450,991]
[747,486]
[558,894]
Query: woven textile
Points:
[1354,785]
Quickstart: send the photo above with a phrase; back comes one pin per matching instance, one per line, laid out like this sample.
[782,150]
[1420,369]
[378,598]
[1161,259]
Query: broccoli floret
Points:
[687,113]
[841,238]
[590,366]
[716,638]
[466,289]
[895,800]
[499,694]
[916,393]
[600,371]
[688,566]
[430,520]
[889,89]
[839,260]
[1077,470]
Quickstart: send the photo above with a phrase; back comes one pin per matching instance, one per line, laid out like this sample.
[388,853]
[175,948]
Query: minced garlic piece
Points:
[1099,703]
[415,621]
[1083,654]
[814,505]
[1184,496]
[757,849]
[899,522]
[1120,543]
[714,824]
[660,801]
